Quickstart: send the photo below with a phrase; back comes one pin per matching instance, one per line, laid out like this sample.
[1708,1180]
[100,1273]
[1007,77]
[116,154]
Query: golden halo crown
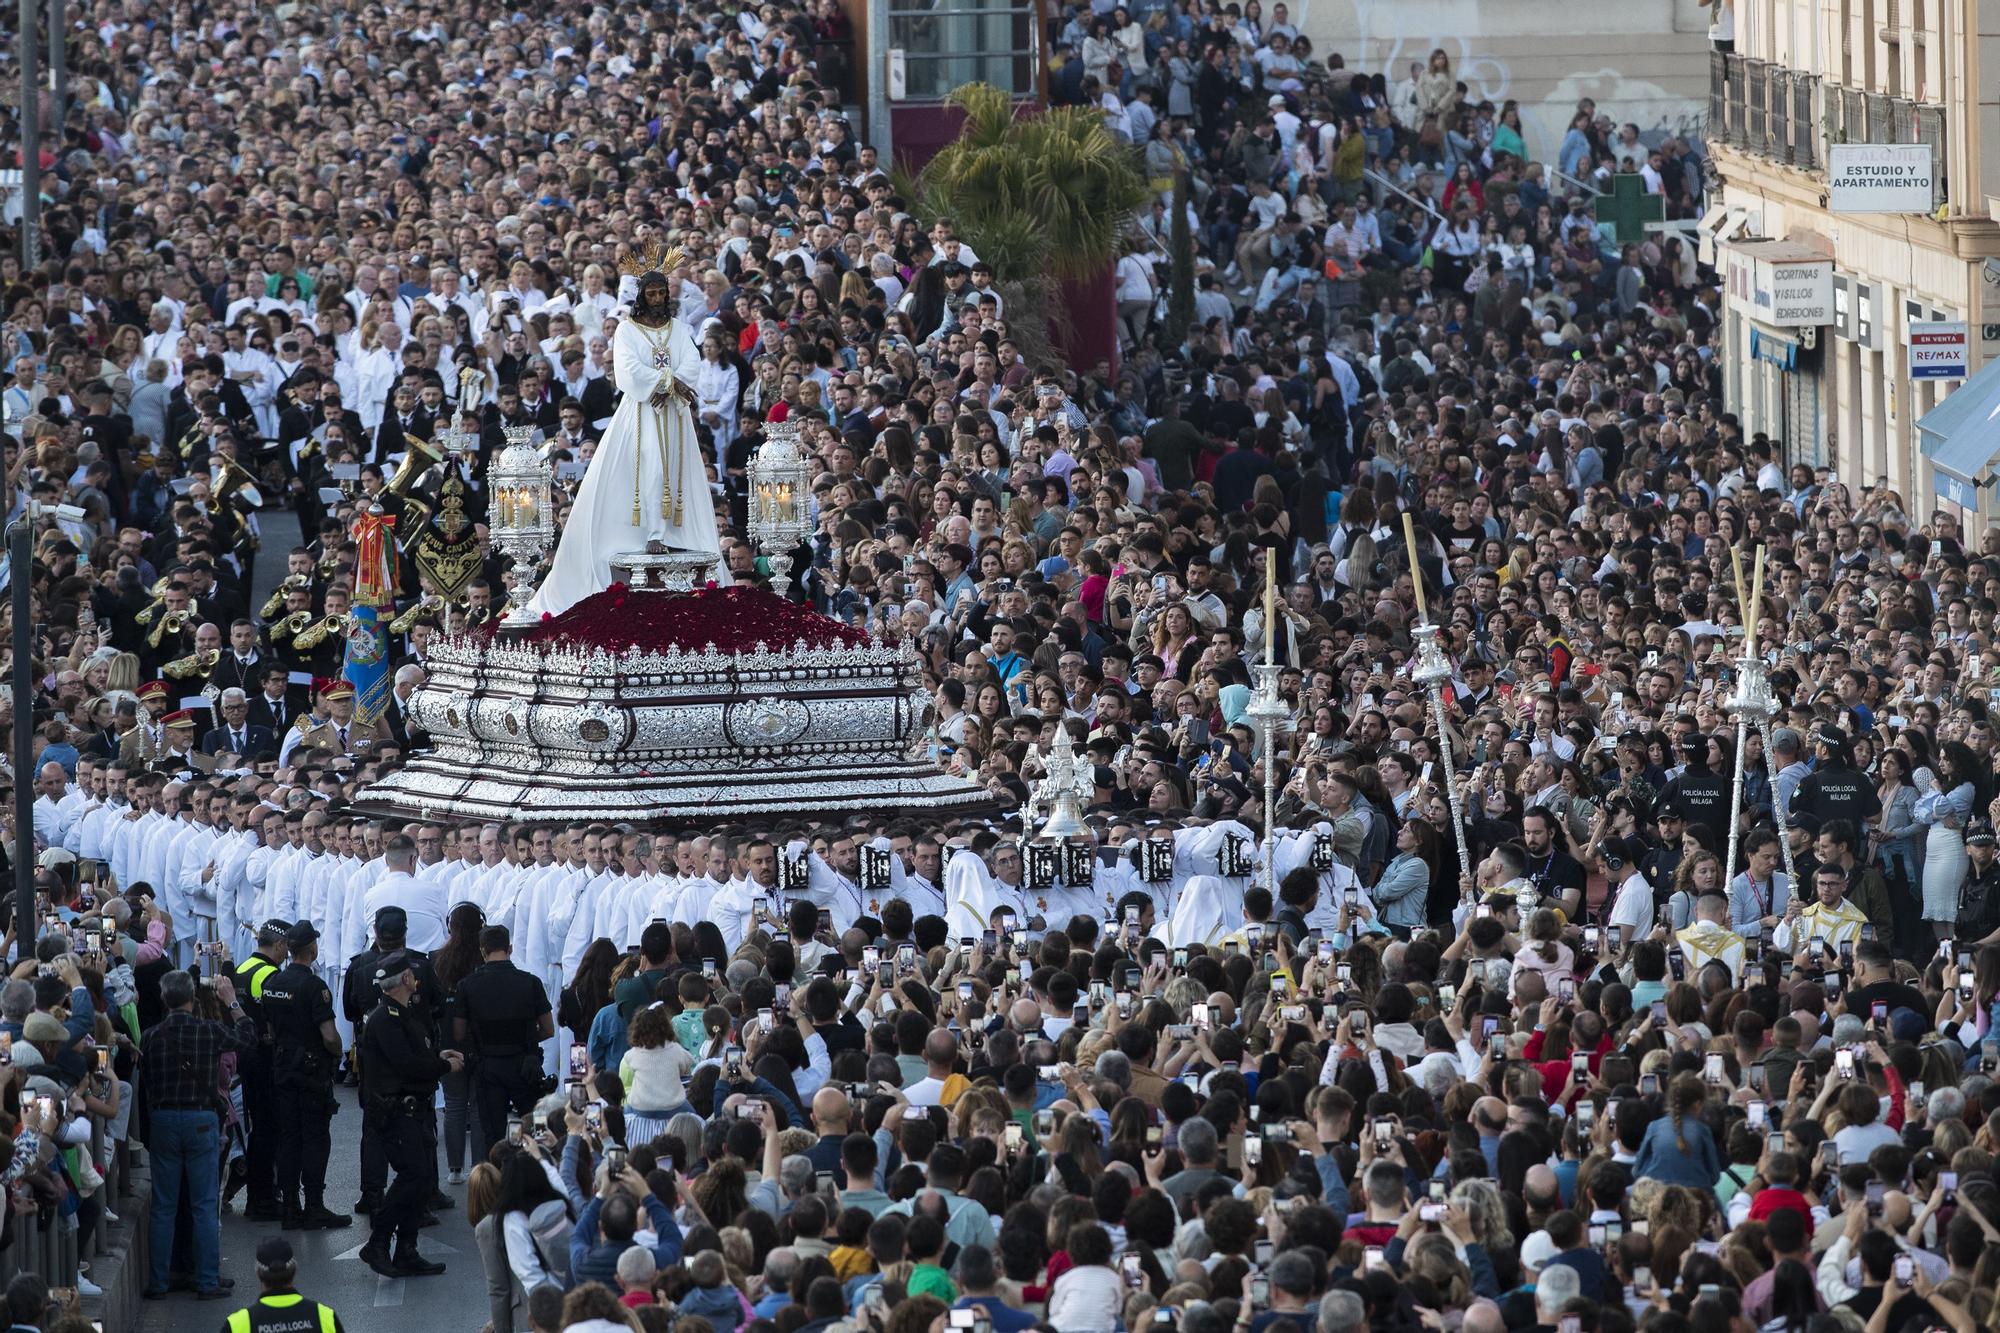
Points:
[659,257]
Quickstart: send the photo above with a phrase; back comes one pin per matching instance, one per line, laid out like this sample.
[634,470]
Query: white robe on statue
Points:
[648,456]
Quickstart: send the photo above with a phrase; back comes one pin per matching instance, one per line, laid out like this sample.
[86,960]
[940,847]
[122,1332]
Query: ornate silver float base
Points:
[662,571]
[560,731]
[429,790]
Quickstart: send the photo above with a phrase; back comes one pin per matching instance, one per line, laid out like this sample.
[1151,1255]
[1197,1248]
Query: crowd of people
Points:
[911,1073]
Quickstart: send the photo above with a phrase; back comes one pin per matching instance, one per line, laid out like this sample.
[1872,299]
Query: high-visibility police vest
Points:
[287,1312]
[255,971]
[251,974]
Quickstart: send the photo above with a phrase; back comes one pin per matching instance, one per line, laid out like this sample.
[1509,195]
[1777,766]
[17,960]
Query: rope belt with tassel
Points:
[672,491]
[671,494]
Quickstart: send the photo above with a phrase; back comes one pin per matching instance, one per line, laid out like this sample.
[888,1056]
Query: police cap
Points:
[391,966]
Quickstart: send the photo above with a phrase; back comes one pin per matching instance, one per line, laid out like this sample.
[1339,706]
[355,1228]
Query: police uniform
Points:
[281,1309]
[500,1008]
[400,1069]
[251,977]
[284,1312]
[358,996]
[1979,896]
[1835,790]
[1703,797]
[298,1005]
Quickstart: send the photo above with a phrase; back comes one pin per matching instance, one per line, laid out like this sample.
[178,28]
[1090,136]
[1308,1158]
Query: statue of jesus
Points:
[647,482]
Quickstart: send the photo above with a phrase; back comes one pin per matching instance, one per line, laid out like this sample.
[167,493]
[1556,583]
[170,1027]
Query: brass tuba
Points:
[231,483]
[417,460]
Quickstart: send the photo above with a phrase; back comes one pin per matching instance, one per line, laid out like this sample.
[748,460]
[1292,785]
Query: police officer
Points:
[1834,789]
[358,997]
[501,1017]
[1701,795]
[259,1100]
[400,1068]
[305,1048]
[1979,899]
[279,1308]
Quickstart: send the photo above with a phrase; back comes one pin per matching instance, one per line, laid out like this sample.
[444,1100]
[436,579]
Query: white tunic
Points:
[424,905]
[646,453]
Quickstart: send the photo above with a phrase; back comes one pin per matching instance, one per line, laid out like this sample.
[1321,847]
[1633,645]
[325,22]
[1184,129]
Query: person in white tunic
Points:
[1208,910]
[827,888]
[1298,847]
[218,879]
[253,901]
[503,890]
[186,857]
[281,881]
[647,481]
[734,908]
[424,904]
[574,918]
[978,895]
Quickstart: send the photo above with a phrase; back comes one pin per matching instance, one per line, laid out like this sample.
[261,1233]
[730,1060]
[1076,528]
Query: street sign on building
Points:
[1938,350]
[1786,284]
[1879,178]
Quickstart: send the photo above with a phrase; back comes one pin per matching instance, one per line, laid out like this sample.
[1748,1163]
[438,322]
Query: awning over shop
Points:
[1721,223]
[1961,436]
[1774,346]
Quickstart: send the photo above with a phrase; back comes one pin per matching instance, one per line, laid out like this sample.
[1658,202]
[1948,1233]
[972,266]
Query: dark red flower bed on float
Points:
[733,619]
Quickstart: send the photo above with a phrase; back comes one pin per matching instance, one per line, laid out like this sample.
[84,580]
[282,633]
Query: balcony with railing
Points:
[1790,117]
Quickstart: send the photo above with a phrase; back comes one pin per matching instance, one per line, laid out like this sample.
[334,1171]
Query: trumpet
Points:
[194,664]
[292,624]
[170,623]
[313,635]
[277,599]
[158,592]
[429,602]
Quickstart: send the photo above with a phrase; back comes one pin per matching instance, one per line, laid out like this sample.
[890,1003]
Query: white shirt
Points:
[925,1092]
[423,903]
[1634,906]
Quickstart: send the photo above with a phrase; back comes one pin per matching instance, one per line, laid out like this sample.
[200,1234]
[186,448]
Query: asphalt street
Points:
[330,1269]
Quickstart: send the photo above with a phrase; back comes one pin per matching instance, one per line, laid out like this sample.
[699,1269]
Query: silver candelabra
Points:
[1272,718]
[1752,704]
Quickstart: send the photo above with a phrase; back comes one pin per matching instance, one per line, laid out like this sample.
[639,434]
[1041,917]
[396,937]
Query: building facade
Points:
[1825,107]
[1639,60]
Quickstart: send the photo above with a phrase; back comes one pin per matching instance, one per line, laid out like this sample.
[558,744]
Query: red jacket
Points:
[1555,1071]
[1773,1197]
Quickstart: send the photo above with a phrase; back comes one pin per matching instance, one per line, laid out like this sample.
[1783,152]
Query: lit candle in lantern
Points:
[506,498]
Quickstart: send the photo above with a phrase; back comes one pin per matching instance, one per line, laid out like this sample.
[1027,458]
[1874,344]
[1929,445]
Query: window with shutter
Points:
[1805,125]
[1930,130]
[1756,128]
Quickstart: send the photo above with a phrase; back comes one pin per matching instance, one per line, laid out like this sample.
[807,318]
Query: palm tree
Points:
[1043,194]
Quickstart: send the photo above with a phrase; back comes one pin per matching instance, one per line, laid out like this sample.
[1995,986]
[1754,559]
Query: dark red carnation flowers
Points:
[733,619]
